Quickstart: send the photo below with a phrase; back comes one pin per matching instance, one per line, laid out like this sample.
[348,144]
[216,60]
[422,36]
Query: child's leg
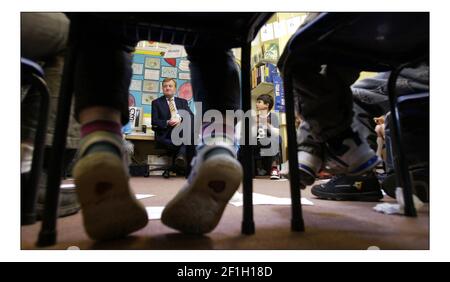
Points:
[275,171]
[216,173]
[110,209]
[327,105]
[310,154]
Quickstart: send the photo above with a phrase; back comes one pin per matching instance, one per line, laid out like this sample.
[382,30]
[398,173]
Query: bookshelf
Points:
[263,88]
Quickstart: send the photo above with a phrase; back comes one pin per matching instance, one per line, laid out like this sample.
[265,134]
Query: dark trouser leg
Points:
[214,78]
[103,80]
[325,98]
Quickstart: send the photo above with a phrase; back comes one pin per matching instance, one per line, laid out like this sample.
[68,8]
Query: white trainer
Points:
[197,208]
[353,157]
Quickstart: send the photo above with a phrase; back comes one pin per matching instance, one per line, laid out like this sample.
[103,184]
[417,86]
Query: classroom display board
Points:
[149,70]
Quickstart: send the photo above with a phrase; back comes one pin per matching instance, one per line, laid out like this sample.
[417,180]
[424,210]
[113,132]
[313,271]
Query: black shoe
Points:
[350,188]
[180,163]
[166,173]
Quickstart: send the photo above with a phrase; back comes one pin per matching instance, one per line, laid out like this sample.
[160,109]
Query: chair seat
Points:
[369,41]
[230,29]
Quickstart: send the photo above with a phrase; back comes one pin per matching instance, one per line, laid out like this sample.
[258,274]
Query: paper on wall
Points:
[183,65]
[279,29]
[293,24]
[184,75]
[175,51]
[150,86]
[136,85]
[151,74]
[267,32]
[169,72]
[147,98]
[152,63]
[137,68]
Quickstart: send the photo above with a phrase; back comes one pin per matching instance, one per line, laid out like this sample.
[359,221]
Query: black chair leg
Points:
[401,166]
[190,153]
[30,187]
[47,235]
[248,225]
[297,223]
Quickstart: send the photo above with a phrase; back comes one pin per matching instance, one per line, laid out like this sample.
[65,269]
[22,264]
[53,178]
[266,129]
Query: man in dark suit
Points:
[165,117]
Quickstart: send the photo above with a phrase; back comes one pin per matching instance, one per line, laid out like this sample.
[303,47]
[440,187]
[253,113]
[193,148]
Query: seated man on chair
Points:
[165,117]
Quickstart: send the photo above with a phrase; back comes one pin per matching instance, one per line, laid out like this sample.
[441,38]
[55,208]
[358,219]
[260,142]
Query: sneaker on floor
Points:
[308,166]
[110,210]
[351,156]
[68,201]
[350,188]
[275,174]
[197,208]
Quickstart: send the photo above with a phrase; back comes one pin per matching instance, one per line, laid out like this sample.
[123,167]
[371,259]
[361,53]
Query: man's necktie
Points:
[173,111]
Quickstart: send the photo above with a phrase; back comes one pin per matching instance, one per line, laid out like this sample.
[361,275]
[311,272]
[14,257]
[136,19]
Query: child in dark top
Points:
[267,128]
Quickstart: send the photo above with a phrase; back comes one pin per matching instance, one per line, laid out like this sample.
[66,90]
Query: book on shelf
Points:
[263,73]
[279,103]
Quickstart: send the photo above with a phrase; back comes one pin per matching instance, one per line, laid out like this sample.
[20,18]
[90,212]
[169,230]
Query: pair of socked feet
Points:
[110,210]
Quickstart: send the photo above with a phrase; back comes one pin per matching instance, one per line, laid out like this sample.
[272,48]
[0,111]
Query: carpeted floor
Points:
[330,225]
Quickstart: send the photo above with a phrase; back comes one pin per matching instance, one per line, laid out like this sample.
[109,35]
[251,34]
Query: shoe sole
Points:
[198,207]
[362,197]
[305,177]
[109,208]
[62,211]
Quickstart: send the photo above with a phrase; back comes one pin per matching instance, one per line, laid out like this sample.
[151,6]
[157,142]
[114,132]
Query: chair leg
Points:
[248,225]
[401,166]
[297,223]
[30,187]
[47,235]
[190,153]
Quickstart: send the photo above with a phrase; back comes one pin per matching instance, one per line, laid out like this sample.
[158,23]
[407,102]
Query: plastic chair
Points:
[232,29]
[32,74]
[366,41]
